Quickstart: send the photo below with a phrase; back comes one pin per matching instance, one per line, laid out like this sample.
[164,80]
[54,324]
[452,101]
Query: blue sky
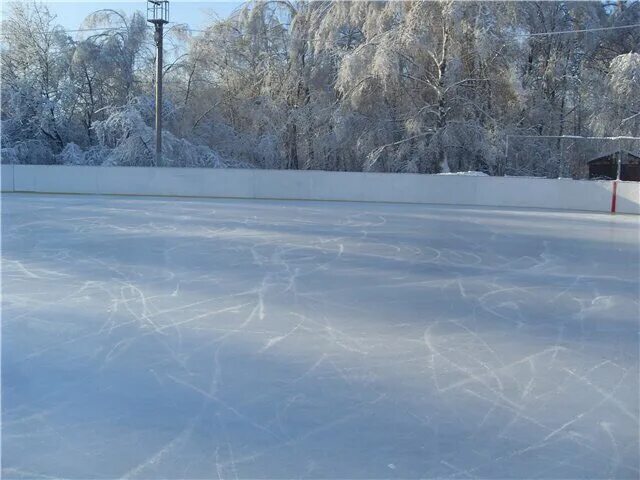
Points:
[196,14]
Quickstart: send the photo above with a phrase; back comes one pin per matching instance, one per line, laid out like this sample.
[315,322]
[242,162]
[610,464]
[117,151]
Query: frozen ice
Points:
[201,338]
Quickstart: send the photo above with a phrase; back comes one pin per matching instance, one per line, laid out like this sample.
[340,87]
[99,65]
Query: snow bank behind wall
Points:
[563,194]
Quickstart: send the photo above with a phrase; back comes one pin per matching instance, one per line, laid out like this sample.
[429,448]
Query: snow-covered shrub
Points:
[96,155]
[126,135]
[178,152]
[9,155]
[268,151]
[28,152]
[125,139]
[71,154]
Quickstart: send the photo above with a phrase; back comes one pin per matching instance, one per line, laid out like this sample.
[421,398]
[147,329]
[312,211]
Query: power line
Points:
[538,34]
[598,29]
[98,29]
[575,137]
[64,30]
[541,34]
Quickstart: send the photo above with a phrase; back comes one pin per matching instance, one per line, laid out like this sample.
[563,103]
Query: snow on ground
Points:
[182,338]
[467,174]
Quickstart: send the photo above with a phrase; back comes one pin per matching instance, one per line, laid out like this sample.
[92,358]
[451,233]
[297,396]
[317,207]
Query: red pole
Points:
[613,197]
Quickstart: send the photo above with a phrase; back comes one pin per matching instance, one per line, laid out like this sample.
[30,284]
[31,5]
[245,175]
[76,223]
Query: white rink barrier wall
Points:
[6,178]
[578,195]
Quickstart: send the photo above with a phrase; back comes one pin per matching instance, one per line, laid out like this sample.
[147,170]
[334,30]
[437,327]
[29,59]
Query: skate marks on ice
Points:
[147,338]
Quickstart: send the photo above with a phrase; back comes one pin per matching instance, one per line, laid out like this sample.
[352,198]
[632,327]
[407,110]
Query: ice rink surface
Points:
[192,338]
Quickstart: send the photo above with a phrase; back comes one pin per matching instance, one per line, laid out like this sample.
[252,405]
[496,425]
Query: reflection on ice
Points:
[166,338]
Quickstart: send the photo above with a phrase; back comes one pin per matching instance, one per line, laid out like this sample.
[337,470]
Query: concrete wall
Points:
[317,185]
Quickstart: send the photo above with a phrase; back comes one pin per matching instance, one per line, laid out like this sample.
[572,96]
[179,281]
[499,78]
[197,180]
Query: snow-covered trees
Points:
[35,59]
[414,86]
[619,110]
[426,74]
[104,65]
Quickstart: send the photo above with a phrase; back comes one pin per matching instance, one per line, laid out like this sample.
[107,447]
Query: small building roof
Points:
[626,155]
